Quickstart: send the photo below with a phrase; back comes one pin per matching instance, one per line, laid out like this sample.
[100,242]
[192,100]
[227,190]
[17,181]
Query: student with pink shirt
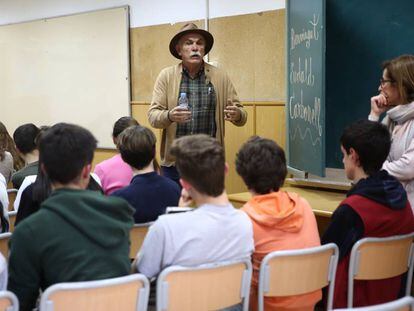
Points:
[114,172]
[281,220]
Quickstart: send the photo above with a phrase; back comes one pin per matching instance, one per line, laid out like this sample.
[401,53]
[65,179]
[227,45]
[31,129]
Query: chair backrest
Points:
[395,254]
[12,196]
[137,236]
[4,244]
[206,287]
[403,304]
[295,272]
[8,301]
[12,220]
[128,293]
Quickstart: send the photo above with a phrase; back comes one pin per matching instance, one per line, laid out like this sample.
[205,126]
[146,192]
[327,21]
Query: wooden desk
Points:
[323,202]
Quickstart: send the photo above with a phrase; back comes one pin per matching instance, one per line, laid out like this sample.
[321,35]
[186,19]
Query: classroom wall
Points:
[142,12]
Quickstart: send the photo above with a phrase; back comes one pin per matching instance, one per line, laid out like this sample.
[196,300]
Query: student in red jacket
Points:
[281,220]
[376,206]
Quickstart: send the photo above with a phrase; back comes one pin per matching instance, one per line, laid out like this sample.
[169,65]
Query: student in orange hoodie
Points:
[281,220]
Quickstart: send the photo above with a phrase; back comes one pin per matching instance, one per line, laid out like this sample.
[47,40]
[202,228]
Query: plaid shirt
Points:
[202,104]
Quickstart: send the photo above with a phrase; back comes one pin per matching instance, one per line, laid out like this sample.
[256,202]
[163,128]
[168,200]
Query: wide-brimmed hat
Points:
[191,28]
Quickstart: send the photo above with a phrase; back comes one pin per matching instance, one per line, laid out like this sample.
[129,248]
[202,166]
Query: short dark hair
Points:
[64,150]
[370,140]
[24,137]
[261,163]
[200,161]
[137,146]
[121,124]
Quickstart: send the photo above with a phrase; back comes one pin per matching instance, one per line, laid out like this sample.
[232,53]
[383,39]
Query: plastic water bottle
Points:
[183,101]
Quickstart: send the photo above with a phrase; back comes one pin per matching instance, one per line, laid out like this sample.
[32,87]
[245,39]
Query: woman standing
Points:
[396,98]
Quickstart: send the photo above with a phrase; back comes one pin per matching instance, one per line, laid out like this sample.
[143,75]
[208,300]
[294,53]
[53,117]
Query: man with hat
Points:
[211,96]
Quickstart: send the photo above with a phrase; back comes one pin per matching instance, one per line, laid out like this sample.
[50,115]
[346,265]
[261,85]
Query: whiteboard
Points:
[67,69]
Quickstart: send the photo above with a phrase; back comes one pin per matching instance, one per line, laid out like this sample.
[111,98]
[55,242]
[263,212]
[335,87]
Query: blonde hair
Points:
[401,71]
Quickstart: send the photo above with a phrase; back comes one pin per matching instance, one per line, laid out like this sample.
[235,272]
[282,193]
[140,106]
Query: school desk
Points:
[323,202]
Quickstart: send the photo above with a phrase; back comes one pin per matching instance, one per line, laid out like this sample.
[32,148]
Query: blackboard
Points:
[359,36]
[306,85]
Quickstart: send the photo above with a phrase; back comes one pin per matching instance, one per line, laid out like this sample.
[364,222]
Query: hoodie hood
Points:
[281,210]
[382,188]
[104,220]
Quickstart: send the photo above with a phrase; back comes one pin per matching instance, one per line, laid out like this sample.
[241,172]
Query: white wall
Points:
[142,12]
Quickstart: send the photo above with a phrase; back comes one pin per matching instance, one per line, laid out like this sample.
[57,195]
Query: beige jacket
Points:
[165,97]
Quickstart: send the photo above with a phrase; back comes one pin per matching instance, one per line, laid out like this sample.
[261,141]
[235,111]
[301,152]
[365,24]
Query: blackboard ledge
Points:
[318,184]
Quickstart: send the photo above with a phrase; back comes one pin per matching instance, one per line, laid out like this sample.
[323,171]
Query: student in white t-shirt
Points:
[215,231]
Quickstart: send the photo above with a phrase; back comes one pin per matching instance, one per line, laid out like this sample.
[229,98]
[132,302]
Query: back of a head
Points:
[370,140]
[3,140]
[7,144]
[401,70]
[64,150]
[24,137]
[3,136]
[123,123]
[137,146]
[261,163]
[200,161]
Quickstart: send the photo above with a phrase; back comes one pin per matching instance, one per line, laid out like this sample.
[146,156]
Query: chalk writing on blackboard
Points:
[306,35]
[302,79]
[309,114]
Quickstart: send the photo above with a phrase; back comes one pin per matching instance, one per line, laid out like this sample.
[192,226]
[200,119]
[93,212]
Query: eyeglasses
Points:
[383,81]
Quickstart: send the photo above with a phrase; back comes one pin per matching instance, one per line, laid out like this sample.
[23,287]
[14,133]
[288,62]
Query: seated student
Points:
[213,232]
[7,144]
[149,193]
[77,235]
[281,220]
[376,206]
[24,138]
[35,189]
[6,161]
[114,173]
[30,179]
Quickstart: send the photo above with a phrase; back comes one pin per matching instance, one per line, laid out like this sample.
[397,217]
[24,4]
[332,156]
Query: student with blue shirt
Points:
[149,193]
